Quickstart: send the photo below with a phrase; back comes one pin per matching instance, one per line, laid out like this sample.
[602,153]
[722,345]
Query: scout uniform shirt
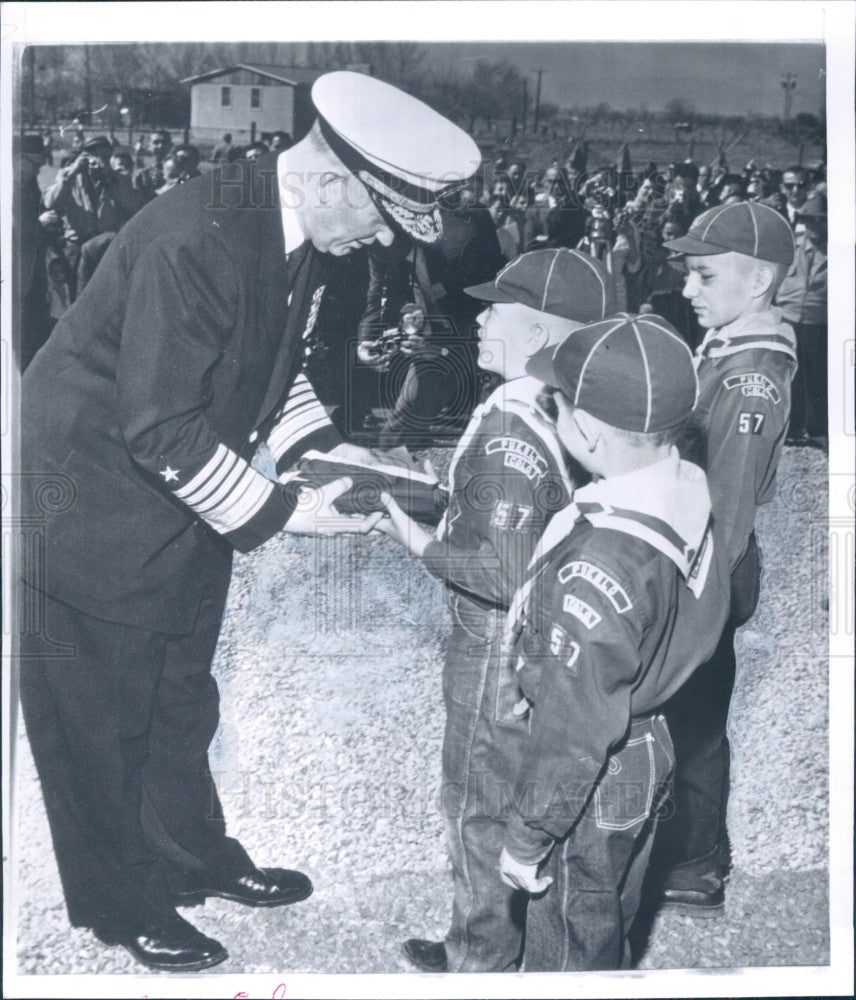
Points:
[740,421]
[625,597]
[507,478]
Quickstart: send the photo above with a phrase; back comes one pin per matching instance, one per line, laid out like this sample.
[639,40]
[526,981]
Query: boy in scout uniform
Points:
[624,596]
[507,477]
[736,257]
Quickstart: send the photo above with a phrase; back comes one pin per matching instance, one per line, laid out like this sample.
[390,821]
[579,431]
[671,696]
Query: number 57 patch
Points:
[750,423]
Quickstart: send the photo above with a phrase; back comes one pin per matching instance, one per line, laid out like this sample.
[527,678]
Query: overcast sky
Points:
[716,77]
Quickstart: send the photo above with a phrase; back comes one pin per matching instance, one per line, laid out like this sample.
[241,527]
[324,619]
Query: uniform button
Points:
[254,437]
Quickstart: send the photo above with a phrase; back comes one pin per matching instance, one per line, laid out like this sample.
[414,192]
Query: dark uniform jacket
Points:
[625,597]
[507,478]
[741,419]
[145,403]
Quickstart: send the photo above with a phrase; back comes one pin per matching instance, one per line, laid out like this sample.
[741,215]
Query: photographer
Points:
[616,246]
[91,198]
[418,326]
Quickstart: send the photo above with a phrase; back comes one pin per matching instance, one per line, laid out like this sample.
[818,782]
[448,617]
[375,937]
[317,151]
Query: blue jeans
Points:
[582,921]
[481,753]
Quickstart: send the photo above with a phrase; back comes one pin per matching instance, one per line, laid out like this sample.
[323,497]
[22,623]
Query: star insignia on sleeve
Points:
[170,475]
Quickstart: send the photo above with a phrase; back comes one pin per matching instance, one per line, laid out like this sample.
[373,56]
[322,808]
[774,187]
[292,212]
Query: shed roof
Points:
[292,75]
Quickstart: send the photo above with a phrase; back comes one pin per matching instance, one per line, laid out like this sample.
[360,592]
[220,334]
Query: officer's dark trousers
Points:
[694,830]
[481,754]
[120,732]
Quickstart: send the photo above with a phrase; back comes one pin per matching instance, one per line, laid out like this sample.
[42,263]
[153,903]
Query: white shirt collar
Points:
[673,491]
[291,227]
[525,389]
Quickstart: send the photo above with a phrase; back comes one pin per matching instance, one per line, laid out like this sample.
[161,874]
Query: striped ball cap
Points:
[564,283]
[633,372]
[745,227]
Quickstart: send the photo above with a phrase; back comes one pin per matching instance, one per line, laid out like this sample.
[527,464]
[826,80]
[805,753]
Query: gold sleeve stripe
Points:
[226,492]
[301,416]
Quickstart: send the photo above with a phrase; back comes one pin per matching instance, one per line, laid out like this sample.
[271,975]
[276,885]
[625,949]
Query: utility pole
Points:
[537,102]
[30,76]
[525,105]
[88,84]
[789,83]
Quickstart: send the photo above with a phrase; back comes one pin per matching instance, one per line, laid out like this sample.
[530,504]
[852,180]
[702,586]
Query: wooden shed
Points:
[250,100]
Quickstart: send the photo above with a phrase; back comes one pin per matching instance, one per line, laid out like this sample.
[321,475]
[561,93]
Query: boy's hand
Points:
[316,515]
[401,528]
[520,876]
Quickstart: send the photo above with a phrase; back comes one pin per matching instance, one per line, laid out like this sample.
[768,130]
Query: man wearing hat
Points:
[141,416]
[623,598]
[508,476]
[736,256]
[802,299]
[90,197]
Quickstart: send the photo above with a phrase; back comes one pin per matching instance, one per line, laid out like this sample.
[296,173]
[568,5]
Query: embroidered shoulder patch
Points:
[611,589]
[583,612]
[518,455]
[754,384]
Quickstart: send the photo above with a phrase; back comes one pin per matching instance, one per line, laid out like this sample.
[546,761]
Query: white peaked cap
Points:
[406,153]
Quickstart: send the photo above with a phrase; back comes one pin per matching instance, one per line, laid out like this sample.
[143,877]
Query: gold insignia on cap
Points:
[424,226]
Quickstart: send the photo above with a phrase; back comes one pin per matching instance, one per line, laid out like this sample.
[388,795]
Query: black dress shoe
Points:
[174,947]
[430,956]
[696,888]
[261,887]
[695,902]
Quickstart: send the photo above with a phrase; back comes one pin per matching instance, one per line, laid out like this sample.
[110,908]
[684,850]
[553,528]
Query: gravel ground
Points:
[328,760]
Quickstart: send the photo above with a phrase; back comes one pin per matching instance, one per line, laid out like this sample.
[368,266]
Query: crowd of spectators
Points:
[624,219]
[67,227]
[620,216]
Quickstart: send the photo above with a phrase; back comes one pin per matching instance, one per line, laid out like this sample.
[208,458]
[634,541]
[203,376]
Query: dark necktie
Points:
[293,262]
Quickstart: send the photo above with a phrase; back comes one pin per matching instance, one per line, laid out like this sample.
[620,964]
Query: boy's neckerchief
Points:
[757,330]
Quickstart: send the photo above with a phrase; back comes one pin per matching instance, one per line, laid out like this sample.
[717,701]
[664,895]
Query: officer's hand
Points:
[353,453]
[316,515]
[520,876]
[401,528]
